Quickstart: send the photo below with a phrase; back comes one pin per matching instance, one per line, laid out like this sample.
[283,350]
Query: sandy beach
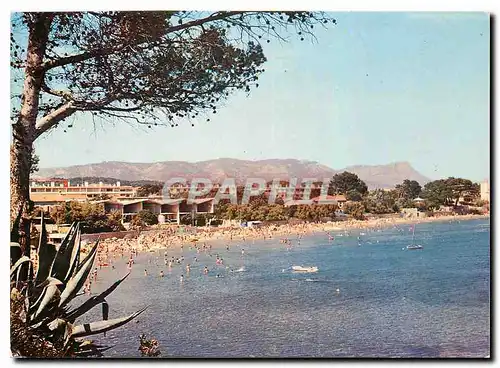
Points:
[202,238]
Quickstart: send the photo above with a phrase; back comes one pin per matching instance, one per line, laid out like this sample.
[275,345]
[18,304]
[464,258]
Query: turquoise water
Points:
[391,302]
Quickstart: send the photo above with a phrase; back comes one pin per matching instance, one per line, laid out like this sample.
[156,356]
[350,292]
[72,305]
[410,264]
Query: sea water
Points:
[370,298]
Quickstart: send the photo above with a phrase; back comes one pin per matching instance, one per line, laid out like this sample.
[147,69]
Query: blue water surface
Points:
[370,298]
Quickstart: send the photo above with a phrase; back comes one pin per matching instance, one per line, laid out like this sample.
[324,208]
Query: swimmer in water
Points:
[188,268]
[162,274]
[205,270]
[182,278]
[227,247]
[145,272]
[243,252]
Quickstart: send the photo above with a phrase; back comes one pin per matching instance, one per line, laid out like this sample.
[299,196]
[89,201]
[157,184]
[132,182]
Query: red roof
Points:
[340,198]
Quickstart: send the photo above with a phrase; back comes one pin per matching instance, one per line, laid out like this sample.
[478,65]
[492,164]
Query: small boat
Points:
[414,246]
[304,269]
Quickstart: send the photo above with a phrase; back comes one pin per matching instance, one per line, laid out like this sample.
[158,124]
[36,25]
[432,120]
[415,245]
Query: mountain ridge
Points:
[375,176]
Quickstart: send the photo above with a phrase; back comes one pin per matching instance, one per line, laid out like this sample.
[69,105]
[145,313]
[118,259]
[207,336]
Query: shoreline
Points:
[155,239]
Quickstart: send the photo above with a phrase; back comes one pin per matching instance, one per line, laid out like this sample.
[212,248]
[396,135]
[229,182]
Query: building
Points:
[412,213]
[167,210]
[77,191]
[485,191]
[47,193]
[339,200]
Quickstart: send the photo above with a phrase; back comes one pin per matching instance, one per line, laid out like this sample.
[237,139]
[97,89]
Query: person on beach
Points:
[227,247]
[86,288]
[145,272]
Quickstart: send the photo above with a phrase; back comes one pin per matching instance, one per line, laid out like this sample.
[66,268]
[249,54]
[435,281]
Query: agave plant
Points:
[47,292]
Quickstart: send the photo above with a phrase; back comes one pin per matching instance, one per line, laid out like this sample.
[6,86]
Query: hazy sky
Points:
[375,89]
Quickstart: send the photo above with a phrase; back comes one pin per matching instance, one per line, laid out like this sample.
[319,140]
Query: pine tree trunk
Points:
[24,130]
[20,156]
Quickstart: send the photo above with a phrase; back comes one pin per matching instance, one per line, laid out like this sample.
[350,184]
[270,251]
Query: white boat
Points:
[414,246]
[305,269]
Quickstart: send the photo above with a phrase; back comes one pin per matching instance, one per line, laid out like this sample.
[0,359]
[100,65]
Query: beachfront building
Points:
[485,191]
[63,189]
[338,200]
[167,210]
[412,213]
[49,193]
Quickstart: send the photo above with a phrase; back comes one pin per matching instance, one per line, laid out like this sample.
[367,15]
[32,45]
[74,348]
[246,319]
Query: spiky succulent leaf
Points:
[93,301]
[105,312]
[89,349]
[60,325]
[76,282]
[74,255]
[80,264]
[51,294]
[61,263]
[102,326]
[18,264]
[46,254]
[15,252]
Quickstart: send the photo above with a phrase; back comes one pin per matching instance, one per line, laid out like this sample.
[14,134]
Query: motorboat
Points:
[304,269]
[414,246]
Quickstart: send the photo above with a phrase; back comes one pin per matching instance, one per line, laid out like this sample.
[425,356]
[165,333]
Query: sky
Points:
[375,89]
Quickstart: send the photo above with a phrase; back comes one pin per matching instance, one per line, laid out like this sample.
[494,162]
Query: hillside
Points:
[379,176]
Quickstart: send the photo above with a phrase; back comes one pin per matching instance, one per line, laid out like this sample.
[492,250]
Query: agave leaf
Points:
[105,312]
[80,265]
[15,252]
[50,294]
[93,301]
[59,324]
[74,255]
[102,326]
[61,263]
[76,282]
[46,254]
[91,350]
[17,265]
[56,324]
